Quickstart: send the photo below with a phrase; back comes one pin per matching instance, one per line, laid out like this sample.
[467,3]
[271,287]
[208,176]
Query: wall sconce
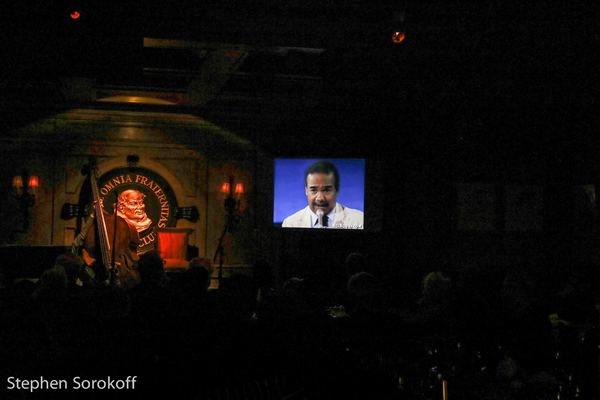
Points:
[17,184]
[25,187]
[239,190]
[225,188]
[234,194]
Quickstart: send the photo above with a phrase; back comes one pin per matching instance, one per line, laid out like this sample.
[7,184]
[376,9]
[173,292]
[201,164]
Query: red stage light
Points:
[398,37]
[75,14]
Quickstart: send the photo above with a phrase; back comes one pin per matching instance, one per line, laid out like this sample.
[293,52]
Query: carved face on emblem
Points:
[132,208]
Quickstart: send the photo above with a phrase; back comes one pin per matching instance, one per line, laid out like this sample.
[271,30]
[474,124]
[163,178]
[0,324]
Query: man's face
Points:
[134,207]
[320,192]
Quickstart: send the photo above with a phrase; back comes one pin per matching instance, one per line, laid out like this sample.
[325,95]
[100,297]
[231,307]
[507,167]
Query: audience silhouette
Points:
[482,329]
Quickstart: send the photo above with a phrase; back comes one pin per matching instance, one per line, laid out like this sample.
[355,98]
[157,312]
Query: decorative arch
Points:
[157,167]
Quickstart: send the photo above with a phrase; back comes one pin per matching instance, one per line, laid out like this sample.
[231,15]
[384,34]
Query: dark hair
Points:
[324,167]
[151,267]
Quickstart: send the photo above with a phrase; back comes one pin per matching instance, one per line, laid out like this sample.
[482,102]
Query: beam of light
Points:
[135,99]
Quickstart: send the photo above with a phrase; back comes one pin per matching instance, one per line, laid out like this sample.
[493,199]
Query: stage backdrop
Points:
[289,187]
[182,162]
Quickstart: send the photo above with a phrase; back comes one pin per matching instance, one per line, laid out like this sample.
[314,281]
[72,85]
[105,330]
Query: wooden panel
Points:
[69,236]
[185,171]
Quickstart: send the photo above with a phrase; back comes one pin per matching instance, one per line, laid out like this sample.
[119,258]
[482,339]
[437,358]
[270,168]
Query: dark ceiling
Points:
[310,72]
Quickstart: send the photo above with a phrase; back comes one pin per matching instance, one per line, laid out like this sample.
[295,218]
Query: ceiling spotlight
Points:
[398,37]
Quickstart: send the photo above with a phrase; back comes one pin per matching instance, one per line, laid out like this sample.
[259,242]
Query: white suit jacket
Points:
[345,218]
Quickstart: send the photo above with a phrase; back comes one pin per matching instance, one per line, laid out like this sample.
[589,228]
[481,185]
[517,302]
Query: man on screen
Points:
[322,185]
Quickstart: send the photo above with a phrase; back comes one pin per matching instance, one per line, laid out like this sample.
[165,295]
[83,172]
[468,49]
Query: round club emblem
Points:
[145,200]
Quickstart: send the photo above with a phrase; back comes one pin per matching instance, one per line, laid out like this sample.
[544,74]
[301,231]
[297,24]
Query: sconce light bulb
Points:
[34,182]
[17,182]
[239,189]
[225,187]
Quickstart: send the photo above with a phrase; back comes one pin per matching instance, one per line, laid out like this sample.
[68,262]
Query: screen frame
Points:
[365,204]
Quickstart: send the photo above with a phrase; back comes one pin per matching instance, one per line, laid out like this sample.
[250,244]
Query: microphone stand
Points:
[231,205]
[220,252]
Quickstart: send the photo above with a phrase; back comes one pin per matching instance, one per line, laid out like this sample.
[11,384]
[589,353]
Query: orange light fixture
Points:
[398,37]
[239,189]
[225,188]
[75,14]
[33,183]
[17,182]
